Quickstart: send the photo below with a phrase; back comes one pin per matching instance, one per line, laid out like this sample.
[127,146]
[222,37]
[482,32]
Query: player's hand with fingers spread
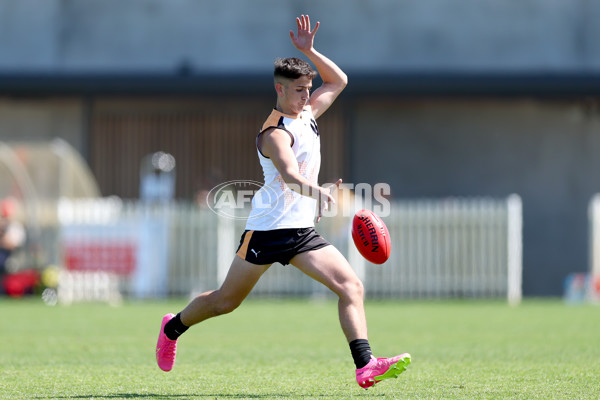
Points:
[326,197]
[304,39]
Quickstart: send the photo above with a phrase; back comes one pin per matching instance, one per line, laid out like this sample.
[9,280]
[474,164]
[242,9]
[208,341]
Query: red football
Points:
[371,236]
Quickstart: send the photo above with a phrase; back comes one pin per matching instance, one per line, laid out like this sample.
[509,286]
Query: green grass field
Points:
[274,349]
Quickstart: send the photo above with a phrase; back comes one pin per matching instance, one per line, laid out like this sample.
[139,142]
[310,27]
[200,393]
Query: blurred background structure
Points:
[478,98]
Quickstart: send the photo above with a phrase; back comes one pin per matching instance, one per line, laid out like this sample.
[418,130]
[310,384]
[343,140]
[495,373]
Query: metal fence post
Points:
[515,249]
[225,246]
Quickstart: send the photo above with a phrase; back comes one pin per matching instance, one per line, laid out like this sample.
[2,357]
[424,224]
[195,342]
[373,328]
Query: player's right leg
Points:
[328,266]
[240,280]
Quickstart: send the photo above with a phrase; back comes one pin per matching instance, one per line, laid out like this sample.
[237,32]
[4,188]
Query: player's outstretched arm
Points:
[334,79]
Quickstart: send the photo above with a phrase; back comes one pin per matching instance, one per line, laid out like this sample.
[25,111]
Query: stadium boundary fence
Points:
[442,248]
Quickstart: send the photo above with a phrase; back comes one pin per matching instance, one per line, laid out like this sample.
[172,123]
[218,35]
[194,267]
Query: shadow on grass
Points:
[194,396]
[123,396]
[162,396]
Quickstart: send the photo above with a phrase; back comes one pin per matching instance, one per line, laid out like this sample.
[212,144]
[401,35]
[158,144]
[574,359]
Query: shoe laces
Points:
[382,362]
[168,347]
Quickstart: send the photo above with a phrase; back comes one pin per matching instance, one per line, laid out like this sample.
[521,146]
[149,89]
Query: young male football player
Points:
[288,148]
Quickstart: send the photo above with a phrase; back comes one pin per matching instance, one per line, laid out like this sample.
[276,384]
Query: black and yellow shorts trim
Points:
[278,245]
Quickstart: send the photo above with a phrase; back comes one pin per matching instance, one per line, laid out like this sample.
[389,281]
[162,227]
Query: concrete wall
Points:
[208,35]
[547,152]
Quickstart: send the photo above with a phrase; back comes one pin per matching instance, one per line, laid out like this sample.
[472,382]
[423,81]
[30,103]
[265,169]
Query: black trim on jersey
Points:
[280,125]
[314,126]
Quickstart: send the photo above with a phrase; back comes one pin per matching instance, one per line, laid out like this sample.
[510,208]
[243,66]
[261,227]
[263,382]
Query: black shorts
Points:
[278,245]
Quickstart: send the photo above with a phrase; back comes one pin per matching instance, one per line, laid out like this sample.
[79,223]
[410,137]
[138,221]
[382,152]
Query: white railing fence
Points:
[449,248]
[452,249]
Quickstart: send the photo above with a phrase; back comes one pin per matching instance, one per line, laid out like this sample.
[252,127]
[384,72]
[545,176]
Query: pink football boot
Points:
[166,349]
[381,368]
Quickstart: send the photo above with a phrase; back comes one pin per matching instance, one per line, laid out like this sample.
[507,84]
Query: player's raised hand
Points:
[304,38]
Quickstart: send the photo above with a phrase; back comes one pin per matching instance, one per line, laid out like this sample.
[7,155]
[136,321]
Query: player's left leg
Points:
[328,266]
[240,280]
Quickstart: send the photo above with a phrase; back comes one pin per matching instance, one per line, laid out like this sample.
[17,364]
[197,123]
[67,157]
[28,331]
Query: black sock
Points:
[361,352]
[174,328]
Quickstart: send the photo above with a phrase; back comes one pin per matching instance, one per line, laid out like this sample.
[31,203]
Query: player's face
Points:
[297,94]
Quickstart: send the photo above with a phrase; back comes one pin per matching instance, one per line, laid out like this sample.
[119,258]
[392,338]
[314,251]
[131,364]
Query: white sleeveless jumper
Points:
[275,205]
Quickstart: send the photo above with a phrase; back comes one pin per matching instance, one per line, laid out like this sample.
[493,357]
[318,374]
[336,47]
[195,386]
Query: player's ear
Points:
[279,88]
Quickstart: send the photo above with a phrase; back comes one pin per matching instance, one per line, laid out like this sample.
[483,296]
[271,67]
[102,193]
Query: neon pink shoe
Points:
[381,368]
[166,349]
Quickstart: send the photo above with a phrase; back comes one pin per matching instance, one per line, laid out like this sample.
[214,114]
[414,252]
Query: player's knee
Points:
[353,290]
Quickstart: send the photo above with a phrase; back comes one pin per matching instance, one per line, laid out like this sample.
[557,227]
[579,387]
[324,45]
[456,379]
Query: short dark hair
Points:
[293,68]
